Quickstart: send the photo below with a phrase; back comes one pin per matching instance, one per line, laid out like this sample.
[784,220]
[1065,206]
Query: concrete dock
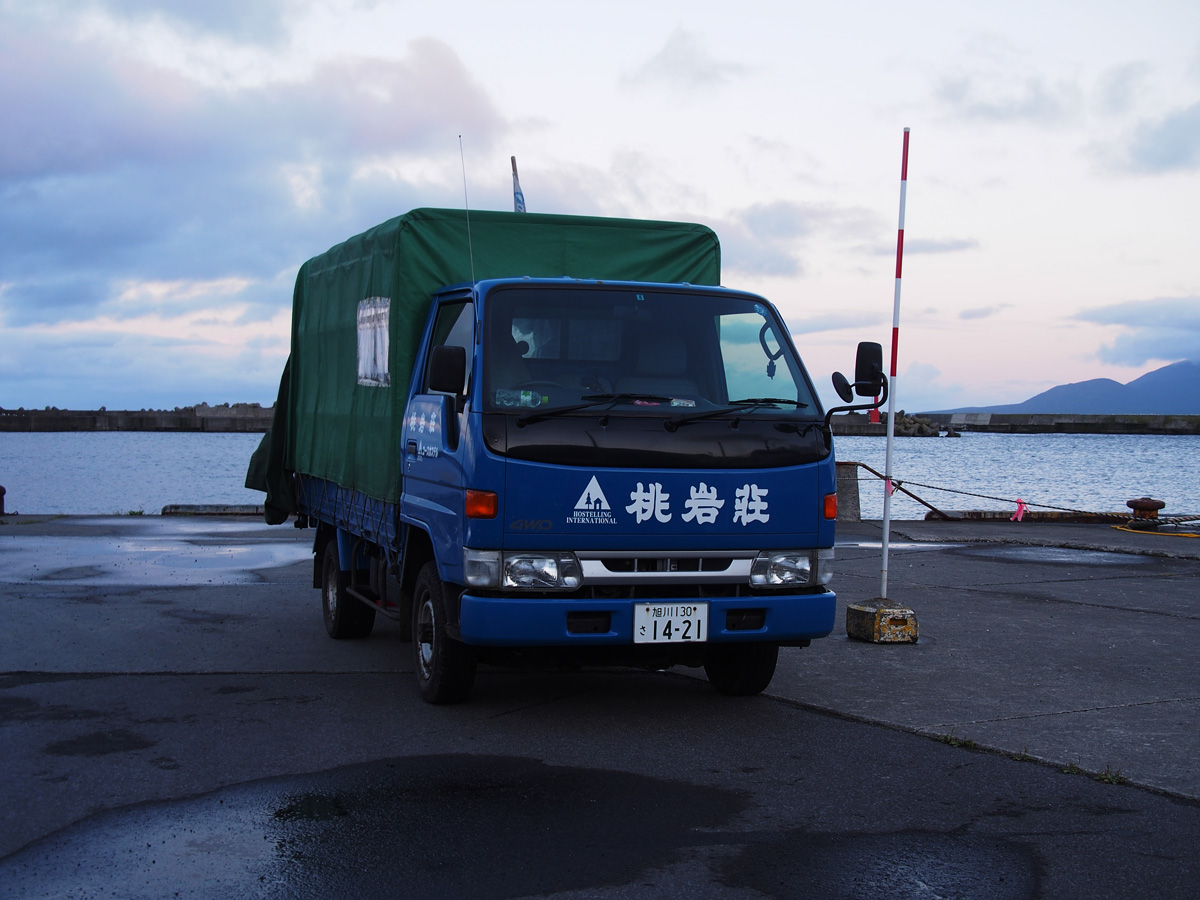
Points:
[173,719]
[1069,644]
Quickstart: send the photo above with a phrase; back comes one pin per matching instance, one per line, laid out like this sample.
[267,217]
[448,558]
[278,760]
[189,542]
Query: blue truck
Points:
[554,440]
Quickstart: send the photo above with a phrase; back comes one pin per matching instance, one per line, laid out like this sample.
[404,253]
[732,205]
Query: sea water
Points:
[101,473]
[106,472]
[1080,472]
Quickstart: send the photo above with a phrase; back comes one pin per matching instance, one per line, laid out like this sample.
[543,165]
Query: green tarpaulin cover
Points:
[334,420]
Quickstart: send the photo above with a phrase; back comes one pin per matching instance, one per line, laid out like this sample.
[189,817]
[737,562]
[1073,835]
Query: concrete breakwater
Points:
[253,418]
[236,418]
[1063,423]
[1027,423]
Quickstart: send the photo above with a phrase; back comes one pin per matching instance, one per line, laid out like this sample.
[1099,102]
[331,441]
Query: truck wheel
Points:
[345,617]
[445,667]
[741,670]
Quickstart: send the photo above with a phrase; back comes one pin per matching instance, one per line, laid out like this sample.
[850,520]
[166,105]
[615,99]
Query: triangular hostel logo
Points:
[592,507]
[592,497]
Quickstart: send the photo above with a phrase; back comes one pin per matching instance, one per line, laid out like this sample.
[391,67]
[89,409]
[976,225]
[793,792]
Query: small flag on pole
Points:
[518,195]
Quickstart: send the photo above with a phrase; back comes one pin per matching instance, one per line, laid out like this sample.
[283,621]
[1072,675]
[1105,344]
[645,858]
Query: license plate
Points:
[670,623]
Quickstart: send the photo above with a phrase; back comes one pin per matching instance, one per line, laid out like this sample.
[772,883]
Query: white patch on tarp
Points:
[373,316]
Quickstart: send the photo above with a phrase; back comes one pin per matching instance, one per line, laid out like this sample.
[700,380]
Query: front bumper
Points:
[516,621]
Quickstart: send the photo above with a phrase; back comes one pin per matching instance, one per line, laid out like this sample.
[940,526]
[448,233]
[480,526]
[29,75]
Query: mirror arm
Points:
[878,403]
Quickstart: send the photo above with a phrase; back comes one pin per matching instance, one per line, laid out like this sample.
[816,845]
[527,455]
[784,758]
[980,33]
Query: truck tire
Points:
[445,668]
[345,617]
[741,670]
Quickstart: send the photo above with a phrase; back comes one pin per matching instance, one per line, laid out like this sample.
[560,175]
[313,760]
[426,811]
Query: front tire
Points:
[445,667]
[345,616]
[741,670]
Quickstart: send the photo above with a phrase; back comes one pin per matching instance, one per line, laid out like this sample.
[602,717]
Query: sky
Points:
[165,168]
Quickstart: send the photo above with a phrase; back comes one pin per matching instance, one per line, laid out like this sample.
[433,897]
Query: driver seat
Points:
[507,366]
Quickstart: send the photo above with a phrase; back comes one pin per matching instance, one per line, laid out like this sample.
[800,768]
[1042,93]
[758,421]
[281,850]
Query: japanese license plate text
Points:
[670,623]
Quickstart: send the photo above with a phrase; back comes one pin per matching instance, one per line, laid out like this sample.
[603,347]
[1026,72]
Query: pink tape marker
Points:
[1020,513]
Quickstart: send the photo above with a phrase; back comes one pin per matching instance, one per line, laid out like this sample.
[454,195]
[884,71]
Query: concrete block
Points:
[880,622]
[847,493]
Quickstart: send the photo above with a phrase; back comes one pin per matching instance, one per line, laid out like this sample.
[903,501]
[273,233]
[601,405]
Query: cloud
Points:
[259,22]
[684,64]
[75,109]
[1122,86]
[1165,328]
[922,246]
[79,110]
[142,204]
[1000,97]
[135,370]
[931,245]
[982,312]
[113,173]
[761,239]
[1169,144]
[799,326]
[766,238]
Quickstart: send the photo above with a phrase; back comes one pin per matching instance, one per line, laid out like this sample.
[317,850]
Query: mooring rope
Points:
[1081,512]
[1019,503]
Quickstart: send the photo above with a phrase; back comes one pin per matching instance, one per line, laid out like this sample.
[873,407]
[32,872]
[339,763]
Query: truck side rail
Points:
[353,511]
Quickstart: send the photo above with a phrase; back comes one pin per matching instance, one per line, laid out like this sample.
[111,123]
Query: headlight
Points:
[542,571]
[791,568]
[481,568]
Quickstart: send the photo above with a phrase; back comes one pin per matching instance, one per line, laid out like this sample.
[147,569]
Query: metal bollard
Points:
[1145,513]
[2,493]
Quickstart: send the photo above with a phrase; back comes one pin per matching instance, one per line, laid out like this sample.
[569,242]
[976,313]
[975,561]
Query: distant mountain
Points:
[1173,390]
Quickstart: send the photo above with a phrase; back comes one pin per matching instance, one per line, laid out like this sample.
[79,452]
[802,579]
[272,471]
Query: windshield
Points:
[652,351]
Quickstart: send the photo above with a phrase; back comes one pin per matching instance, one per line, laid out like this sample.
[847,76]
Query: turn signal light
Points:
[831,506]
[481,505]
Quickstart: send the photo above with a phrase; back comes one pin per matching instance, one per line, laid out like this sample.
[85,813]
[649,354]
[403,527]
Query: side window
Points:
[756,362]
[455,327]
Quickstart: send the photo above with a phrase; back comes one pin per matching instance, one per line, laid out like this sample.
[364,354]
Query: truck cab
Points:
[616,471]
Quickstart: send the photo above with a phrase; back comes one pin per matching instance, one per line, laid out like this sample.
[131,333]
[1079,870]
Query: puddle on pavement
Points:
[892,545]
[490,827]
[445,826]
[902,865]
[158,552]
[1070,555]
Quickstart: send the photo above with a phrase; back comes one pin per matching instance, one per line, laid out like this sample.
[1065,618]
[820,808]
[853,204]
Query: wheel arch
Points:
[324,534]
[418,550]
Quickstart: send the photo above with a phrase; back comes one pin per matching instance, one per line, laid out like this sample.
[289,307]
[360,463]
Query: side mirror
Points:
[869,381]
[842,386]
[447,369]
[868,370]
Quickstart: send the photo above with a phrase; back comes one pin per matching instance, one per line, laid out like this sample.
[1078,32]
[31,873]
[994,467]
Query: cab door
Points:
[432,448]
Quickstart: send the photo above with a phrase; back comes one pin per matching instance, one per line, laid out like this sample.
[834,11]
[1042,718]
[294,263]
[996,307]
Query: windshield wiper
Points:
[735,406]
[593,400]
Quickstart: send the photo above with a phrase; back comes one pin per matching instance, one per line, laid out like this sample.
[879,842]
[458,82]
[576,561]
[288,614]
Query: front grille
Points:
[667,564]
[667,567]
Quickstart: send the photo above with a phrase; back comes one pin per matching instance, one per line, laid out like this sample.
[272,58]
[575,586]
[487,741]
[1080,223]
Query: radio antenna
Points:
[467,207]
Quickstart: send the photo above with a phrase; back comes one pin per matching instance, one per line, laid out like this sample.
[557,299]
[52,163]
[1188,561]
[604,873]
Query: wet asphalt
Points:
[174,722]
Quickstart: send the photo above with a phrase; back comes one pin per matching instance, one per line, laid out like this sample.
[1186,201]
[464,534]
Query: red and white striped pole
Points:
[891,429]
